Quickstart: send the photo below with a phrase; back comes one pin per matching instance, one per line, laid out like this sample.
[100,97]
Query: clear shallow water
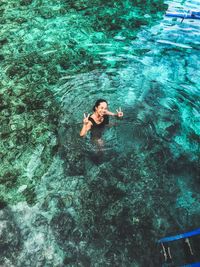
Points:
[155,80]
[109,207]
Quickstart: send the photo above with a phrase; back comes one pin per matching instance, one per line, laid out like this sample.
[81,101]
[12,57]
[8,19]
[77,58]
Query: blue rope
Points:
[177,237]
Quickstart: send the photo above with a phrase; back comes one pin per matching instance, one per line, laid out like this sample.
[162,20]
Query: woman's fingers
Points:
[86,115]
[86,118]
[119,110]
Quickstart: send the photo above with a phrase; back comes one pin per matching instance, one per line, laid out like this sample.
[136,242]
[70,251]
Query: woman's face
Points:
[102,108]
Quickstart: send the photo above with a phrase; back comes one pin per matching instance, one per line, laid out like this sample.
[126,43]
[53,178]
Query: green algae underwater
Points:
[61,202]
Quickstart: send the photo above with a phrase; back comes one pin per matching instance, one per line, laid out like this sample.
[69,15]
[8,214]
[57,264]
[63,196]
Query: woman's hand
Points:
[86,125]
[119,113]
[86,118]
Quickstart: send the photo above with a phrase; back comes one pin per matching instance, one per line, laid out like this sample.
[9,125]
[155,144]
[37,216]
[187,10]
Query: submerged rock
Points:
[10,238]
[63,225]
[81,206]
[9,233]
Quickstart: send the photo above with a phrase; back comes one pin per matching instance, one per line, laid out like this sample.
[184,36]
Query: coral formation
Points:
[62,201]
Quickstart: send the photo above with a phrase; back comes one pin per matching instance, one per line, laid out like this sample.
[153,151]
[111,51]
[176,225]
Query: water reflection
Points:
[114,202]
[152,155]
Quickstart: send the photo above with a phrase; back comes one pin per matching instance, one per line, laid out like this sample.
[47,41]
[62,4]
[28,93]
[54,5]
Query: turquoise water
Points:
[64,202]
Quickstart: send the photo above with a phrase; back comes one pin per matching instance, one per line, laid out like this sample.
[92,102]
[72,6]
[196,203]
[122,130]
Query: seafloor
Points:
[63,202]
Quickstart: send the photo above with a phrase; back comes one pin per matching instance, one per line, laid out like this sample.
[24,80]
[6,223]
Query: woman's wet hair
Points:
[98,102]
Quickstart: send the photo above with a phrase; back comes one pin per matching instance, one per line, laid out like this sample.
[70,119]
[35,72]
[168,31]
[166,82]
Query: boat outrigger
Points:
[184,15]
[181,250]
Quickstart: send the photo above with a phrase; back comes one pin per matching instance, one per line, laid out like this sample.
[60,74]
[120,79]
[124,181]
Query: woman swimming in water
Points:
[97,121]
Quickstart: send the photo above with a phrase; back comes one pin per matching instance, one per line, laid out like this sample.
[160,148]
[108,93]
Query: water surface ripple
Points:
[155,148]
[107,206]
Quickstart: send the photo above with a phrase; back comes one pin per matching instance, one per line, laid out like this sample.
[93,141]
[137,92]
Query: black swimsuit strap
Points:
[104,122]
[92,121]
